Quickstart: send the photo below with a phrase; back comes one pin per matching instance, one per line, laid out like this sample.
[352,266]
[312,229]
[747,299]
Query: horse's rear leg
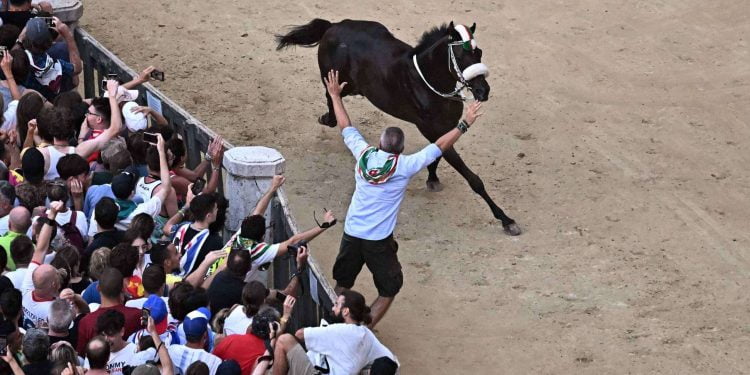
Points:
[338,59]
[433,182]
[452,157]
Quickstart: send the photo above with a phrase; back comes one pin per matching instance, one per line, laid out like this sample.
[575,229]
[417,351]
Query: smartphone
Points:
[198,186]
[157,75]
[3,49]
[49,21]
[3,345]
[145,313]
[109,77]
[150,138]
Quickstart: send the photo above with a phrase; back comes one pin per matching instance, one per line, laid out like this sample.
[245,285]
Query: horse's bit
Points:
[471,71]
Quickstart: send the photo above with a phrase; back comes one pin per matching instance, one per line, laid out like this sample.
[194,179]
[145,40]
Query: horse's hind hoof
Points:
[434,186]
[512,229]
[327,120]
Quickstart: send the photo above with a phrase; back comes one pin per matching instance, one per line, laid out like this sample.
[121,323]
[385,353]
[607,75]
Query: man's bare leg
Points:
[283,344]
[379,308]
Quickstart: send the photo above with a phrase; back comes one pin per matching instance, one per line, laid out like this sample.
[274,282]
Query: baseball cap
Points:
[134,121]
[229,367]
[123,185]
[37,31]
[158,311]
[196,323]
[32,164]
[124,95]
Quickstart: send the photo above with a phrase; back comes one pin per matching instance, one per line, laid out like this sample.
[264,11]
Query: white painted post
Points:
[68,11]
[249,173]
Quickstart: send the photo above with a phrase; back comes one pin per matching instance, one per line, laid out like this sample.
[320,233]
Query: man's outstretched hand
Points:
[332,84]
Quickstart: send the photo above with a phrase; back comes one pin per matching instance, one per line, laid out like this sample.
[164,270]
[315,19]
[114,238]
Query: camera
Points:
[151,138]
[157,75]
[3,345]
[145,313]
[295,247]
[3,50]
[49,21]
[109,77]
[198,186]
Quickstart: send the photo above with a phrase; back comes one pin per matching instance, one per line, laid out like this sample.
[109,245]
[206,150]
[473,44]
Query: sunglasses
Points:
[93,114]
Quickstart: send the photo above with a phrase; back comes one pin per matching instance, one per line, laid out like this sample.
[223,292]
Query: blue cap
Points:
[158,311]
[196,323]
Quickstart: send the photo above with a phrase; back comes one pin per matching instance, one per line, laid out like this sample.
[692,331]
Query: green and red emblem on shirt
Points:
[376,176]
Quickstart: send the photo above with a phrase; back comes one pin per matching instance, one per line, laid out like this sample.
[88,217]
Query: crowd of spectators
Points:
[113,262]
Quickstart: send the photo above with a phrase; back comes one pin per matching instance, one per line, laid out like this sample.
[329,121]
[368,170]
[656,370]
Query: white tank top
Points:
[54,157]
[145,190]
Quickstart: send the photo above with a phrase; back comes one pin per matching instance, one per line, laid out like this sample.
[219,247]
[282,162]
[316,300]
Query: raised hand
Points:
[277,181]
[302,255]
[145,75]
[473,113]
[332,84]
[289,306]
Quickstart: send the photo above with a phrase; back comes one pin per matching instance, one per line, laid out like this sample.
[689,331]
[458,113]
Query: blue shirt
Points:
[94,194]
[373,211]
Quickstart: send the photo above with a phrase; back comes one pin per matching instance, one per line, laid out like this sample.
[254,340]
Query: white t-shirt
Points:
[237,322]
[152,207]
[16,277]
[373,211]
[261,254]
[118,360]
[10,116]
[347,347]
[182,357]
[4,224]
[35,312]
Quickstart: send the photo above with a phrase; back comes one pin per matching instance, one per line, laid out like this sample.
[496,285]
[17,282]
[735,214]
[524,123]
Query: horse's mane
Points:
[430,37]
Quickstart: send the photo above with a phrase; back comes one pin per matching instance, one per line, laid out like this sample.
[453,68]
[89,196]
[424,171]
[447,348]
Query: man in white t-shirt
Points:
[123,187]
[347,345]
[382,175]
[111,326]
[7,199]
[41,282]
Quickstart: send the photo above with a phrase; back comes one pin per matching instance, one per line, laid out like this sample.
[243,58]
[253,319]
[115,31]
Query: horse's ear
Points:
[473,28]
[452,33]
[451,27]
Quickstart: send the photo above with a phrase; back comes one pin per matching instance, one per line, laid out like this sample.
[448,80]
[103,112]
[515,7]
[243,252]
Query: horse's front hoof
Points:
[512,229]
[327,120]
[434,186]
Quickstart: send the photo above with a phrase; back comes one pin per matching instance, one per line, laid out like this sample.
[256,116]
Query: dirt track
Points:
[633,119]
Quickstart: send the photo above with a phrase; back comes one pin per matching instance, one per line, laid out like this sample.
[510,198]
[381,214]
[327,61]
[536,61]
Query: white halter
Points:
[472,71]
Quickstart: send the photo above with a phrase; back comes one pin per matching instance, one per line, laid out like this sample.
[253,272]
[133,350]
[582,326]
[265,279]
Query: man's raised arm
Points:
[334,91]
[262,205]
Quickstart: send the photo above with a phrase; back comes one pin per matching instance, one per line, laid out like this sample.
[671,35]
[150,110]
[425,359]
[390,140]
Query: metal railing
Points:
[317,295]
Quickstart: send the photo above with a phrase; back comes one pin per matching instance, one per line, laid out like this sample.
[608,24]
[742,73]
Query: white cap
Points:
[134,121]
[124,95]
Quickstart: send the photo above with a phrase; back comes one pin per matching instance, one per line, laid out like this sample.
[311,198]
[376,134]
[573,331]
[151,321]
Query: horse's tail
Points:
[306,35]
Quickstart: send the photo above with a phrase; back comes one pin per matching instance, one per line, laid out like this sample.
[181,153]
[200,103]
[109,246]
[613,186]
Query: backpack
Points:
[72,235]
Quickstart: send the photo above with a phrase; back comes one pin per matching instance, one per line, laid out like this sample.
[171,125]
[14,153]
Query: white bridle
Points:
[472,71]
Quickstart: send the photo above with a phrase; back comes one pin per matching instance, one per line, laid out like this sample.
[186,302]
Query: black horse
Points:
[420,85]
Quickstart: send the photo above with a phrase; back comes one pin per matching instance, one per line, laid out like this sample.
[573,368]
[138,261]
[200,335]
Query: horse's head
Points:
[468,57]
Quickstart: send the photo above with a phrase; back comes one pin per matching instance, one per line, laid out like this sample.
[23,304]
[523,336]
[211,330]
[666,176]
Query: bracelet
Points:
[463,126]
[161,344]
[284,320]
[208,158]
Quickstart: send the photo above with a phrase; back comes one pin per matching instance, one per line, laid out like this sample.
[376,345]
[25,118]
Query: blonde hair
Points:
[99,261]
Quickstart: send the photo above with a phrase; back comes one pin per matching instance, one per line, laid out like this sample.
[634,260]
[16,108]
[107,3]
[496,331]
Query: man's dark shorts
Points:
[380,258]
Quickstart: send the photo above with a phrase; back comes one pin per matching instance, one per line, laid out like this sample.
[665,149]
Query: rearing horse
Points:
[421,85]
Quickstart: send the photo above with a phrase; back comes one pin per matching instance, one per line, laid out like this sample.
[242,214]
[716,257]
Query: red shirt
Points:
[87,326]
[245,349]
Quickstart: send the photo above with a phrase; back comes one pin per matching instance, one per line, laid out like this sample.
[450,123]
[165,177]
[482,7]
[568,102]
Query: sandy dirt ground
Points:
[632,119]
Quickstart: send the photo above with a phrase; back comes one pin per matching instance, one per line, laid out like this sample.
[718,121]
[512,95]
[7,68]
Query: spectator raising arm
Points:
[216,159]
[73,55]
[45,235]
[141,78]
[6,63]
[262,205]
[85,149]
[161,349]
[166,182]
[196,277]
[308,235]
